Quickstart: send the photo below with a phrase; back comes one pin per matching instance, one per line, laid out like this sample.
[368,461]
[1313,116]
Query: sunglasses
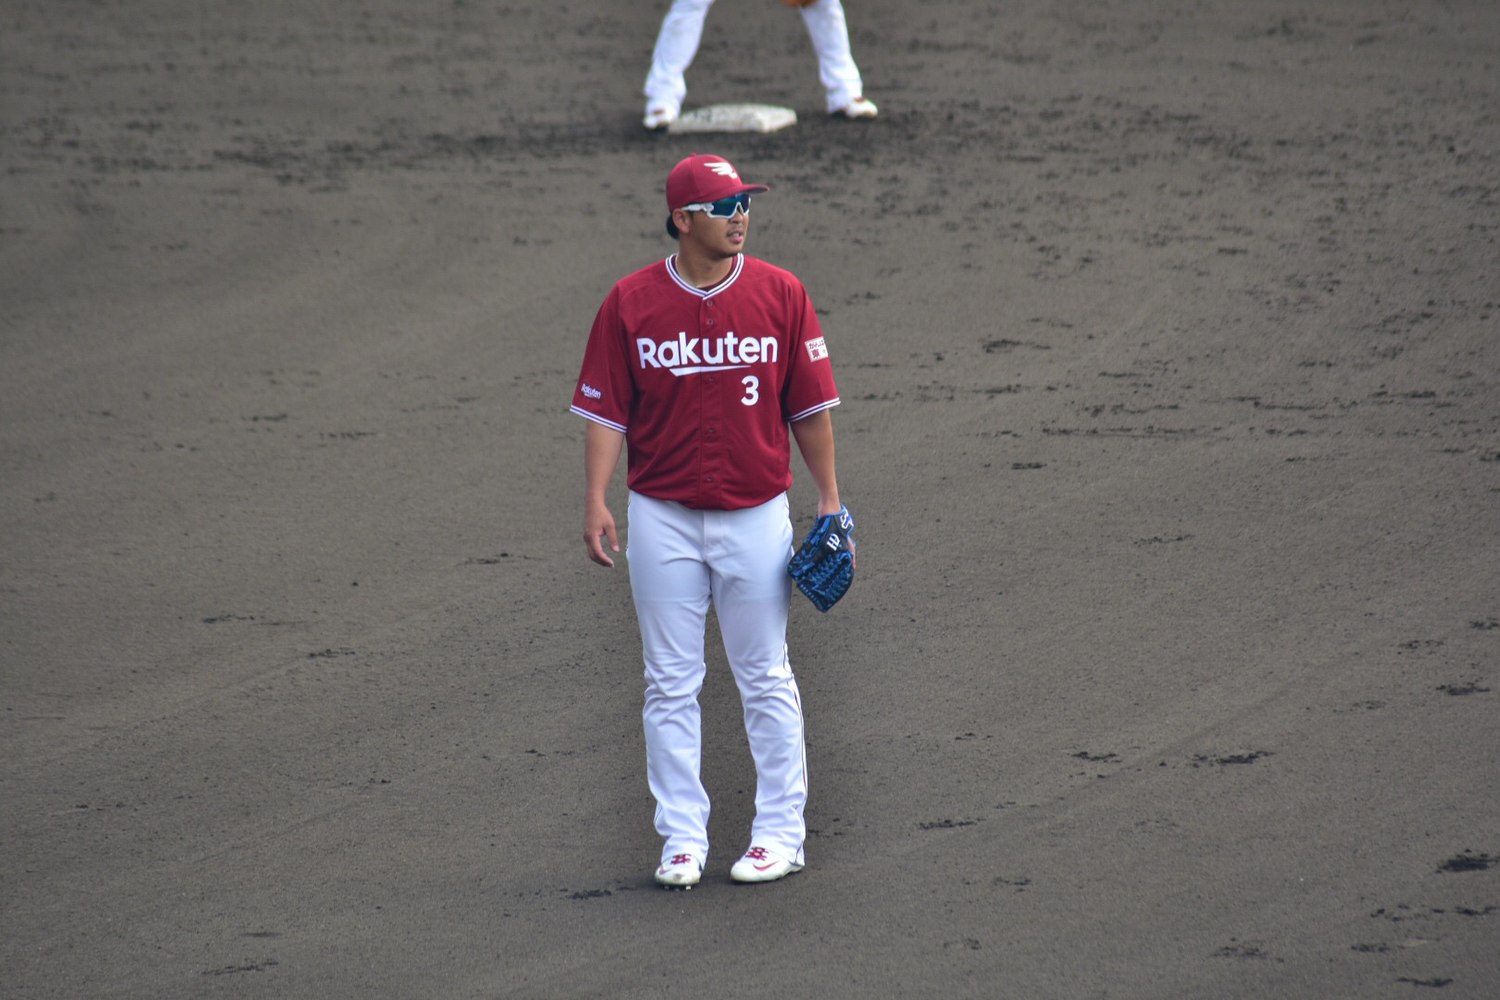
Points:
[724,208]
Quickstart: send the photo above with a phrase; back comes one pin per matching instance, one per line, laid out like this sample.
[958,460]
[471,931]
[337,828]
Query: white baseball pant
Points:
[681,560]
[682,30]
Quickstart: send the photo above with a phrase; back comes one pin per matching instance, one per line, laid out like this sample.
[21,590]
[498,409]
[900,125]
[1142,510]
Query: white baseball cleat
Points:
[680,871]
[658,117]
[760,865]
[858,108]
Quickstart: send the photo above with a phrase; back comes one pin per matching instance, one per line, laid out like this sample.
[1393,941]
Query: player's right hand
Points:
[599,528]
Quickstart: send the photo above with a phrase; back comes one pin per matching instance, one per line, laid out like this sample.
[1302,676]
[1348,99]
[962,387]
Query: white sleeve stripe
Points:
[813,409]
[598,419]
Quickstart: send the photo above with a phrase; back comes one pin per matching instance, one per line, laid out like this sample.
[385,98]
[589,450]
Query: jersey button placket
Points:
[711,437]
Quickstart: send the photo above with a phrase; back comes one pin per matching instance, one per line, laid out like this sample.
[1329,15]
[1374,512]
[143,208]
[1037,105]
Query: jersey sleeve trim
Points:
[600,420]
[813,409]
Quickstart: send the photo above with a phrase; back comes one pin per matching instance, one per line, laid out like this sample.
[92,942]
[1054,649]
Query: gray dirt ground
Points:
[1167,337]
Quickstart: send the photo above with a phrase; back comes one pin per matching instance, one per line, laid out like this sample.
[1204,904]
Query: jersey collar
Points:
[706,293]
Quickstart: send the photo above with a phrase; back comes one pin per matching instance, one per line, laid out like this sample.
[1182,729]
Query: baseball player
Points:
[702,367]
[682,30]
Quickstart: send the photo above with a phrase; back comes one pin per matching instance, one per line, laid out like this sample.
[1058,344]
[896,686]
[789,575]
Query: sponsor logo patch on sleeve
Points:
[817,349]
[591,392]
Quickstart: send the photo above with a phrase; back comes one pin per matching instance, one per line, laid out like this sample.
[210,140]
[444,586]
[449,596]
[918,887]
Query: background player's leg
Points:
[830,40]
[676,45]
[748,551]
[670,585]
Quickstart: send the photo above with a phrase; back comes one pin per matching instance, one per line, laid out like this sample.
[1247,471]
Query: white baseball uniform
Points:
[704,383]
[682,30]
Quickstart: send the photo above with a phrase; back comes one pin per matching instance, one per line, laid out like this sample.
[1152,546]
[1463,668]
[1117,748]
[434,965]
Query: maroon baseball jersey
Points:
[703,382]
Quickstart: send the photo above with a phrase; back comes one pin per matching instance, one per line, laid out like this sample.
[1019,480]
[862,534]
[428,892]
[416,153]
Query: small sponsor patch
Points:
[591,392]
[817,349]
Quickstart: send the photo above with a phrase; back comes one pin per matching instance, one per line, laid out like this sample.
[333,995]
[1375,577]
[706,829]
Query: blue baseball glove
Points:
[824,565]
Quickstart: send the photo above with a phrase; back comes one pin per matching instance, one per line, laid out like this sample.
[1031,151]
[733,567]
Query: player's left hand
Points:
[823,567]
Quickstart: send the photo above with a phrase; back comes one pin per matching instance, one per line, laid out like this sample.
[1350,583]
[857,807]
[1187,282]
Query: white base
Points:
[734,118]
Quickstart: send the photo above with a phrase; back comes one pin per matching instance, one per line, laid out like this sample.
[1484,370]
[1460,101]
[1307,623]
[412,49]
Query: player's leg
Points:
[676,45]
[747,552]
[670,585]
[837,71]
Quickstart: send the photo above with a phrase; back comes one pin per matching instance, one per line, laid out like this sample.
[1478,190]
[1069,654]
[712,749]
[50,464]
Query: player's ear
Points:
[682,220]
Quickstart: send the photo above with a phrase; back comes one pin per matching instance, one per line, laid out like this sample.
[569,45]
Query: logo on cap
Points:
[722,169]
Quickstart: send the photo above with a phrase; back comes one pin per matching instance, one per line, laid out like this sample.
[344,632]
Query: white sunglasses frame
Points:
[706,207]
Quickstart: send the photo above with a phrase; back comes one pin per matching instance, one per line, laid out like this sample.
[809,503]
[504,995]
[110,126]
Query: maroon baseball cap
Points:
[704,177]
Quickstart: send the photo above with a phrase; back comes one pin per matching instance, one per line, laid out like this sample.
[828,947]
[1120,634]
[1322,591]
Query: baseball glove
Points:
[823,567]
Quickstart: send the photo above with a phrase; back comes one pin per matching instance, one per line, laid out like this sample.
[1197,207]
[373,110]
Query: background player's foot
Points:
[760,865]
[858,108]
[680,871]
[658,117]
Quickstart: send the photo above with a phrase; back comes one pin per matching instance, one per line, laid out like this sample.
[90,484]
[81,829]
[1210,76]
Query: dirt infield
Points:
[1168,336]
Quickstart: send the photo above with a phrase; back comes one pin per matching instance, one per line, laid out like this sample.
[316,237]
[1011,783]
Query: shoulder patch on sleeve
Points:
[817,349]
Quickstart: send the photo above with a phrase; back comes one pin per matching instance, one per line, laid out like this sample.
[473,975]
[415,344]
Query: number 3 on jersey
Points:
[752,390]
